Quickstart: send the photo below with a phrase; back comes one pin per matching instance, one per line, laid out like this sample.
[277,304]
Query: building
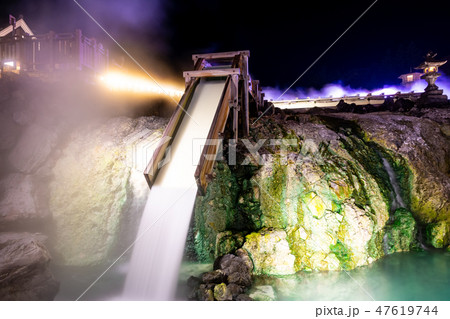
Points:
[23,51]
[409,78]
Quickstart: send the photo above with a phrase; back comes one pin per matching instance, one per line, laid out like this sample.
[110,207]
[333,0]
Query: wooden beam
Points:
[219,55]
[155,163]
[211,73]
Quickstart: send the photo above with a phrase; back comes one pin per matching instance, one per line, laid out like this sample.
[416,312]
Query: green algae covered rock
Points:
[270,252]
[323,203]
[214,213]
[401,232]
[419,150]
[438,234]
[222,293]
[228,242]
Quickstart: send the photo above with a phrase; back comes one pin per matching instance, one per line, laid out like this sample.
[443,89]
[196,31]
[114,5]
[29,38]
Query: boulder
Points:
[235,268]
[401,232]
[17,201]
[32,149]
[222,293]
[205,293]
[24,268]
[215,277]
[96,189]
[235,290]
[262,293]
[270,252]
[437,234]
[227,242]
[243,297]
[243,254]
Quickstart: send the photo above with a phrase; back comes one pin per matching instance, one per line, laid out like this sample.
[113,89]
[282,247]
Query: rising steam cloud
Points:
[340,90]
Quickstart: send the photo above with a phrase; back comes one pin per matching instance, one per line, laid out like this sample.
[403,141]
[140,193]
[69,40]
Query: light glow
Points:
[121,82]
[9,63]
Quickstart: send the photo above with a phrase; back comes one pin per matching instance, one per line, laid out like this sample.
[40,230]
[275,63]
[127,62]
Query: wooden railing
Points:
[54,51]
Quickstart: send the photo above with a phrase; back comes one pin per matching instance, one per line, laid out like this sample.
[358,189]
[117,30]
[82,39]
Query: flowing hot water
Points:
[397,200]
[160,241]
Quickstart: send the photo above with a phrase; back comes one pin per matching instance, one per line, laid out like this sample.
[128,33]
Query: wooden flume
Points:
[240,98]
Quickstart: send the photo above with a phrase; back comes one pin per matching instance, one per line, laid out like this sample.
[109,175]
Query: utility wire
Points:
[316,60]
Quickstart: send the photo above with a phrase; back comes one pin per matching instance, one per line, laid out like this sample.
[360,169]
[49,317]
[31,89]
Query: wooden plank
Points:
[220,55]
[209,153]
[211,73]
[154,165]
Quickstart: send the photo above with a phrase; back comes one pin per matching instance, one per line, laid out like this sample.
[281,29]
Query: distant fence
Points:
[54,51]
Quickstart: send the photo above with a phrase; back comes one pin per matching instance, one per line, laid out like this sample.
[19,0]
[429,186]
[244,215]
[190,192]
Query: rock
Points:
[270,252]
[419,151]
[401,232]
[8,133]
[243,254]
[24,268]
[325,204]
[204,293]
[216,277]
[222,293]
[240,278]
[213,213]
[438,234]
[243,297]
[95,190]
[262,293]
[17,201]
[235,290]
[32,149]
[235,268]
[193,282]
[227,242]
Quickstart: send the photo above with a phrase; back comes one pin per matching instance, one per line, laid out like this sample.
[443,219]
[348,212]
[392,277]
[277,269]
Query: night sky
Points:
[284,37]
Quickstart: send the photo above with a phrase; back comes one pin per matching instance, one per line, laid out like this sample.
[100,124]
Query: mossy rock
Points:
[437,234]
[401,233]
[343,254]
[270,252]
[228,242]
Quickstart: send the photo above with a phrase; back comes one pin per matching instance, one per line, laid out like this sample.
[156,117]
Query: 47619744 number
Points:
[407,310]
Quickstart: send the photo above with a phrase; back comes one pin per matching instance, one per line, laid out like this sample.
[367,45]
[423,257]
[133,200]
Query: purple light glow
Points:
[338,90]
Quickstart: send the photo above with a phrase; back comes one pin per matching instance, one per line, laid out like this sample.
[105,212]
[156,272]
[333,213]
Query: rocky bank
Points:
[71,184]
[324,201]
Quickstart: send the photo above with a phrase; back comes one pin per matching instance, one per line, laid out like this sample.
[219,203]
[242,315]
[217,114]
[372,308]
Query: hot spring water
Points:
[158,250]
[397,200]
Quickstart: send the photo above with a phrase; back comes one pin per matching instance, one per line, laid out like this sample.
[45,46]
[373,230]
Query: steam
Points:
[340,90]
[140,26]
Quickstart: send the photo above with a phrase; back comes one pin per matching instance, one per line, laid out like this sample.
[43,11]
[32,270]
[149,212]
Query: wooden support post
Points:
[245,78]
[234,104]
